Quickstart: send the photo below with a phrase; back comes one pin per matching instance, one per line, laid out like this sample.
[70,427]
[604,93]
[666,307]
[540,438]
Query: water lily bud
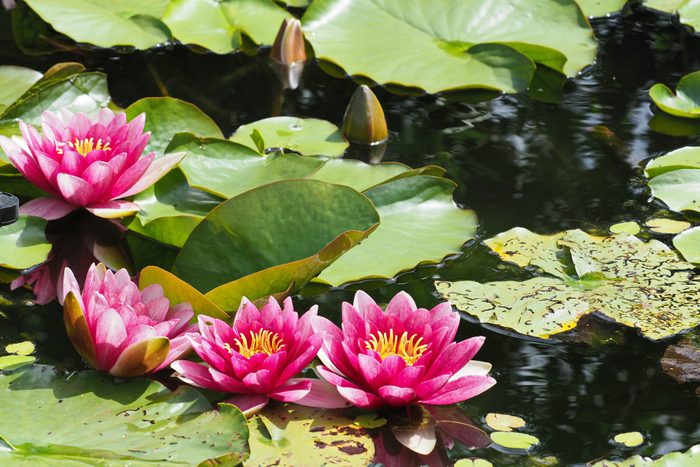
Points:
[364,121]
[288,47]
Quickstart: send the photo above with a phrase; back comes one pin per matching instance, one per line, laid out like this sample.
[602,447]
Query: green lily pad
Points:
[227,169]
[473,463]
[134,422]
[420,225]
[357,174]
[171,209]
[666,226]
[23,244]
[20,348]
[13,362]
[688,458]
[630,439]
[300,226]
[461,43]
[638,284]
[292,435]
[631,228]
[165,117]
[504,422]
[513,440]
[675,179]
[688,11]
[597,8]
[688,244]
[218,25]
[107,23]
[307,136]
[15,81]
[685,102]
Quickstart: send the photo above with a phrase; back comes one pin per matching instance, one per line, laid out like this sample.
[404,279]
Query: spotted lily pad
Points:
[513,440]
[489,44]
[688,244]
[642,285]
[293,435]
[685,102]
[137,421]
[675,179]
[306,136]
[630,439]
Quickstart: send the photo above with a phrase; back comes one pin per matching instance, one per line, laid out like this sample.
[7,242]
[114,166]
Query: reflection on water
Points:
[518,162]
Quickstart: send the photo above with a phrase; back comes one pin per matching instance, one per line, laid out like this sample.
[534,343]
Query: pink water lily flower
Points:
[117,328]
[258,357]
[402,356]
[86,163]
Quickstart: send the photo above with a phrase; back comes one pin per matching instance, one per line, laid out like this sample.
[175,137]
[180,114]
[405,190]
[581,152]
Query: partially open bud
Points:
[288,53]
[364,121]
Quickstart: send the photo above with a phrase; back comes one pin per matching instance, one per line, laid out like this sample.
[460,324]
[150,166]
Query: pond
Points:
[570,163]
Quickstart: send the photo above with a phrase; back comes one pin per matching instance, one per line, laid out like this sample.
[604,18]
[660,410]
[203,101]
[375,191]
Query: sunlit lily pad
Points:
[685,102]
[307,136]
[13,362]
[293,228]
[218,25]
[357,174]
[23,244]
[293,435]
[473,463]
[421,224]
[89,418]
[630,439]
[504,422]
[687,10]
[461,43]
[675,179]
[643,285]
[514,440]
[596,8]
[630,227]
[106,23]
[689,458]
[15,81]
[688,244]
[20,348]
[666,226]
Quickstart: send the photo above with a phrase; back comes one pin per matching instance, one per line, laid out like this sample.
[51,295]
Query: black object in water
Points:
[9,209]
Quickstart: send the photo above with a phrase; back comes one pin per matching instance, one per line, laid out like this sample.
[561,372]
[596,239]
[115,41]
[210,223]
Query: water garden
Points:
[353,232]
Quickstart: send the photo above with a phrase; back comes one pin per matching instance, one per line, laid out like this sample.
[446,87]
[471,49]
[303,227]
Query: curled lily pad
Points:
[23,244]
[513,440]
[130,422]
[643,285]
[306,136]
[685,102]
[687,10]
[462,43]
[420,224]
[688,244]
[675,178]
[291,435]
[107,24]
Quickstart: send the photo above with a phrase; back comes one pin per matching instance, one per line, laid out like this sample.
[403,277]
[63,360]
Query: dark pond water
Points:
[518,162]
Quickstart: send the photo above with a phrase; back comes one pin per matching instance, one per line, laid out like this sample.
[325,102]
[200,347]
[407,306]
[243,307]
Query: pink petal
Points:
[323,395]
[109,336]
[455,356]
[130,176]
[100,176]
[249,404]
[47,208]
[428,387]
[75,190]
[396,396]
[69,284]
[402,305]
[114,209]
[360,398]
[294,390]
[460,390]
[203,377]
[179,346]
[155,172]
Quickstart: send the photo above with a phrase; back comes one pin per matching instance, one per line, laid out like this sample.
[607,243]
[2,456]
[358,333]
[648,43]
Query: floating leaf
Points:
[20,348]
[165,117]
[296,227]
[524,248]
[307,136]
[688,458]
[643,285]
[688,11]
[685,102]
[684,158]
[504,422]
[23,244]
[473,463]
[357,174]
[15,81]
[462,43]
[513,440]
[675,178]
[293,435]
[631,228]
[106,24]
[13,362]
[219,24]
[630,439]
[420,224]
[131,422]
[682,360]
[369,421]
[596,8]
[666,226]
[688,244]
[228,169]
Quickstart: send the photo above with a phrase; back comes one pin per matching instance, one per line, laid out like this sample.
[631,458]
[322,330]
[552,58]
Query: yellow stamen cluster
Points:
[263,341]
[408,348]
[85,145]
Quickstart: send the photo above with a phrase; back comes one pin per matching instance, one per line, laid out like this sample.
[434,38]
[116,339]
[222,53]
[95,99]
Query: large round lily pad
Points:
[440,45]
[23,244]
[420,224]
[685,102]
[642,285]
[106,23]
[87,418]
